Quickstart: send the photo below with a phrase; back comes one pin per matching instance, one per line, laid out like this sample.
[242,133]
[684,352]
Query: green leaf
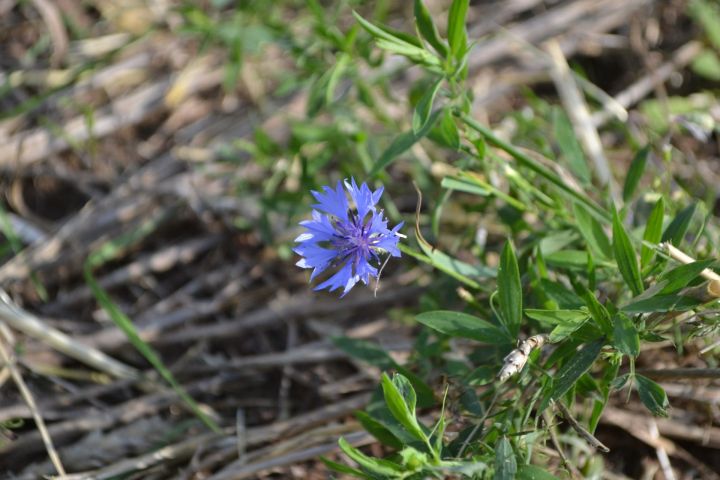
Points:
[707,14]
[661,303]
[566,321]
[403,413]
[556,317]
[464,185]
[405,388]
[533,472]
[571,259]
[400,43]
[625,256]
[402,143]
[653,232]
[620,382]
[457,36]
[569,146]
[533,164]
[675,232]
[427,28]
[597,310]
[446,132]
[457,269]
[592,232]
[377,32]
[626,338]
[378,430]
[707,64]
[369,352]
[482,375]
[126,326]
[373,465]
[413,459]
[680,277]
[421,115]
[637,167]
[505,462]
[459,324]
[376,356]
[510,290]
[575,368]
[653,396]
[565,298]
[342,468]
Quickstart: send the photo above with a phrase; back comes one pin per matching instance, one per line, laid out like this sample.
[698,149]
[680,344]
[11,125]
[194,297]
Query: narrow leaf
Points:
[378,430]
[575,368]
[680,277]
[557,317]
[346,469]
[510,290]
[533,472]
[592,232]
[464,272]
[625,256]
[505,462]
[637,167]
[376,356]
[653,231]
[457,36]
[446,132]
[402,143]
[123,323]
[661,303]
[653,396]
[626,338]
[421,115]
[374,465]
[369,352]
[565,321]
[427,28]
[400,410]
[403,386]
[459,324]
[464,185]
[569,145]
[380,33]
[597,310]
[675,232]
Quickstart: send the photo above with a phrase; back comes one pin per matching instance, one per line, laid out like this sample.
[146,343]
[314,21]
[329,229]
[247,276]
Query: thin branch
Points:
[589,438]
[29,399]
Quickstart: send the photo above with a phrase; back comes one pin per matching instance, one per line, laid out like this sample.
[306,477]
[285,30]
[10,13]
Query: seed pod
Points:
[515,360]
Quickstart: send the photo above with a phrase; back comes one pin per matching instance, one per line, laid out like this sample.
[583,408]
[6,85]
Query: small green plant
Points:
[588,275]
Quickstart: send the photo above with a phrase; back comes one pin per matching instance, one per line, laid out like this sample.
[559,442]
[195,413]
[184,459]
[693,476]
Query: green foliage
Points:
[625,256]
[457,324]
[510,291]
[637,168]
[653,396]
[524,246]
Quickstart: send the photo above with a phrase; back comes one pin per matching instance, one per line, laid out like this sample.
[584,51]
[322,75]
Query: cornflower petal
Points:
[346,240]
[363,197]
[332,201]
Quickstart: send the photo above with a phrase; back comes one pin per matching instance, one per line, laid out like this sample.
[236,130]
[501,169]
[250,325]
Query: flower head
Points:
[352,240]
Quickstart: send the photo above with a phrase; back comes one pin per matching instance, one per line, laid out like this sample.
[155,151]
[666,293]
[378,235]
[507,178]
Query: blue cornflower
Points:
[352,240]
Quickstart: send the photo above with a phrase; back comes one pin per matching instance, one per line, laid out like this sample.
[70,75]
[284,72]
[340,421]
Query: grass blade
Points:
[127,327]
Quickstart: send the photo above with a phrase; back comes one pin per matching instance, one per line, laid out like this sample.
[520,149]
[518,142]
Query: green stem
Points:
[532,164]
